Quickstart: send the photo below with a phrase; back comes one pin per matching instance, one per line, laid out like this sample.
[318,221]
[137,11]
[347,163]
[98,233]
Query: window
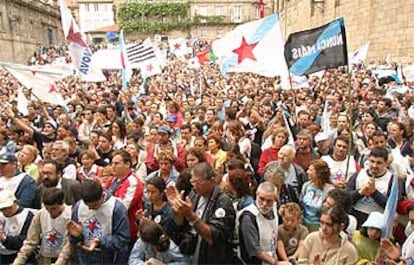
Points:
[202,11]
[257,13]
[87,7]
[49,36]
[219,32]
[237,14]
[31,28]
[203,33]
[218,11]
[96,7]
[1,22]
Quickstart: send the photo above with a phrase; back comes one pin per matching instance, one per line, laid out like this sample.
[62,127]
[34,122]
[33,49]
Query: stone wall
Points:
[26,24]
[387,24]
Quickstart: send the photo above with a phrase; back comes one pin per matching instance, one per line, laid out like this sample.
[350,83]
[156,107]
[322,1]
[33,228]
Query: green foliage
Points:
[208,20]
[160,17]
[152,17]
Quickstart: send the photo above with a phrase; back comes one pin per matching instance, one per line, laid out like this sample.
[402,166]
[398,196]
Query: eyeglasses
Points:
[197,182]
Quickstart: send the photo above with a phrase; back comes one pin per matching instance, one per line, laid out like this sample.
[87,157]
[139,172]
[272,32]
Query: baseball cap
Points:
[321,136]
[7,158]
[52,123]
[7,198]
[164,129]
[171,118]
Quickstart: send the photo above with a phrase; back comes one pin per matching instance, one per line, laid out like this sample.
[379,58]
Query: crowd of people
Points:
[190,167]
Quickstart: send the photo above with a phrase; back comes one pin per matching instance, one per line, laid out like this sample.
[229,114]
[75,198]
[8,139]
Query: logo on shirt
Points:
[92,228]
[53,239]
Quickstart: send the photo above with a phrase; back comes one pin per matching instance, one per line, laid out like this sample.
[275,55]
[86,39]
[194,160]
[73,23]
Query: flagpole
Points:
[351,129]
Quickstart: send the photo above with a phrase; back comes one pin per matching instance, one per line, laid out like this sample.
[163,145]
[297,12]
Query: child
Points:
[367,240]
[291,232]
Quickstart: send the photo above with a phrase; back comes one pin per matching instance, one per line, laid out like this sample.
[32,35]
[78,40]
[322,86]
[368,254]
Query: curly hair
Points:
[290,208]
[322,170]
[166,155]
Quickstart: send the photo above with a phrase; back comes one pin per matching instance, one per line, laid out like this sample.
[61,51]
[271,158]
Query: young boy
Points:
[48,230]
[291,232]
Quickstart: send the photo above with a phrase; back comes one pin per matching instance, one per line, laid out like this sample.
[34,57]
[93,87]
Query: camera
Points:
[188,243]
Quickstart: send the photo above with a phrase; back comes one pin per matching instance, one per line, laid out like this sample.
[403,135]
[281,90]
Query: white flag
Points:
[139,54]
[150,68]
[178,47]
[41,79]
[254,47]
[193,63]
[107,59]
[358,57]
[78,49]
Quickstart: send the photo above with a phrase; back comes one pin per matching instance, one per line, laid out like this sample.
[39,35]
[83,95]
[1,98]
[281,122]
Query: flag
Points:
[358,57]
[107,59]
[178,47]
[126,70]
[193,63]
[385,76]
[206,56]
[150,68]
[408,73]
[299,82]
[253,47]
[78,49]
[390,208]
[22,102]
[316,49]
[140,53]
[41,79]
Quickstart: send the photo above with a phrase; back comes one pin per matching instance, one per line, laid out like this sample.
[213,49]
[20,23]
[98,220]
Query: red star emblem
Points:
[52,238]
[177,46]
[149,68]
[33,73]
[75,37]
[92,226]
[245,51]
[52,88]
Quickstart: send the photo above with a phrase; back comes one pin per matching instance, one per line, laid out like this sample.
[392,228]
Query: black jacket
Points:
[220,217]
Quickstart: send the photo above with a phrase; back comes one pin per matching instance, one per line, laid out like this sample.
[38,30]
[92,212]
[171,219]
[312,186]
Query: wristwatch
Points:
[195,222]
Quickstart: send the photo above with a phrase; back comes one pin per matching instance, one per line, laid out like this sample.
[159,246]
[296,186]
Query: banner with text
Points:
[316,49]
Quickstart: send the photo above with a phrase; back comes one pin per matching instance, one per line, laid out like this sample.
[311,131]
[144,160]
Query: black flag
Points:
[316,49]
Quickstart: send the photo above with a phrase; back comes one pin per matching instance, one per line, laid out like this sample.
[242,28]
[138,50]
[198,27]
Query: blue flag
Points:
[390,208]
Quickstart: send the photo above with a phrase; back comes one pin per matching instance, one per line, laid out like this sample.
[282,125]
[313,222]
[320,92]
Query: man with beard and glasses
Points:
[51,173]
[258,225]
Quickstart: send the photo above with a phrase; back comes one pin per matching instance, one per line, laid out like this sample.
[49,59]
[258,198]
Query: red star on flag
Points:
[33,73]
[149,68]
[245,51]
[52,238]
[92,225]
[177,46]
[52,88]
[75,37]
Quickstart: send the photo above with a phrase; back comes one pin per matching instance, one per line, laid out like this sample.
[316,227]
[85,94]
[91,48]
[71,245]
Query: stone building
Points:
[387,24]
[26,24]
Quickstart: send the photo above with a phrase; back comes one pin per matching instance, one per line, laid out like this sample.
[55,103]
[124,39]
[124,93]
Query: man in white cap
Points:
[14,224]
[19,183]
[323,143]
